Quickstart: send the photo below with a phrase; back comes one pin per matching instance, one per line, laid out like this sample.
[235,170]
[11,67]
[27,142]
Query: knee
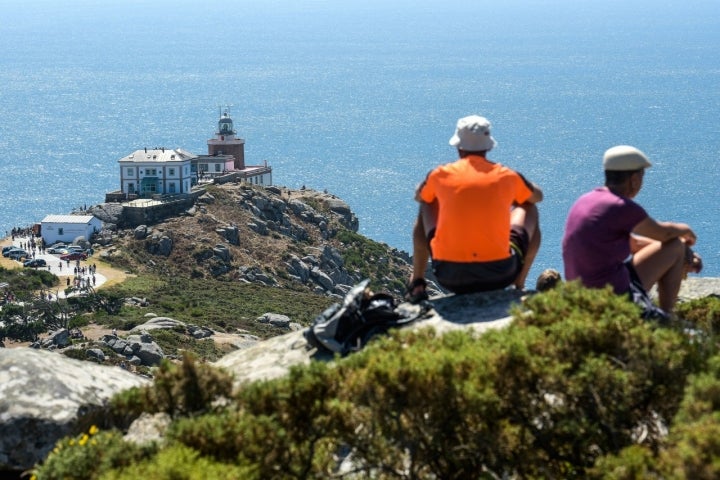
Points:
[532,212]
[676,246]
[528,216]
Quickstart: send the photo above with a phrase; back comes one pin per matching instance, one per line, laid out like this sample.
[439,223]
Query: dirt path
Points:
[111,275]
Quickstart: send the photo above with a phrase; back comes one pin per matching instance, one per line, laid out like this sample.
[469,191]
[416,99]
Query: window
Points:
[217,167]
[129,172]
[172,187]
[151,171]
[131,188]
[60,231]
[171,172]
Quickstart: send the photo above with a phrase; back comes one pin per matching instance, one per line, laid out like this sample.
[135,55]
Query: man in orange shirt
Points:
[478,221]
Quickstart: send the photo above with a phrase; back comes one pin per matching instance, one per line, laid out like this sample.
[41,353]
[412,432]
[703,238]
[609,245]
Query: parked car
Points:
[56,250]
[35,263]
[17,254]
[74,256]
[7,248]
[6,253]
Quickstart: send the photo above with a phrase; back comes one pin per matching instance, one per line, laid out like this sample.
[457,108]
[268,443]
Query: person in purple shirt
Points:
[607,234]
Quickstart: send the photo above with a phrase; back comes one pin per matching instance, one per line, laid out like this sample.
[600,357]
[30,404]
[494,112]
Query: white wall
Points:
[53,232]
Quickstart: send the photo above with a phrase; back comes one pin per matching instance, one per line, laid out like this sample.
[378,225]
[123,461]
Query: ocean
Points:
[360,98]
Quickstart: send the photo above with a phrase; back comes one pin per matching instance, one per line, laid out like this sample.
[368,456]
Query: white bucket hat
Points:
[473,134]
[624,158]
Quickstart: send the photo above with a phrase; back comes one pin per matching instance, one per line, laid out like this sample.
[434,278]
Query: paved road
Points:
[64,270]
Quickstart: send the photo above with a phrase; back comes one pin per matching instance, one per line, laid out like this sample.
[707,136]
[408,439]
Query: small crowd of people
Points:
[478,227]
[18,232]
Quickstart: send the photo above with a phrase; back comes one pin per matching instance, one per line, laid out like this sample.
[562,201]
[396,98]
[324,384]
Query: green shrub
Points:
[703,312]
[88,455]
[179,462]
[190,388]
[78,321]
[26,280]
[174,343]
[76,353]
[578,386]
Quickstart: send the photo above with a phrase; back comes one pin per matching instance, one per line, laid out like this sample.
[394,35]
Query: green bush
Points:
[577,387]
[26,280]
[188,388]
[76,353]
[175,343]
[178,462]
[702,312]
[88,455]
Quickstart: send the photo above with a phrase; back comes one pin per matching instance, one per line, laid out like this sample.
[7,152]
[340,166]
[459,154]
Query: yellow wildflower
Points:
[93,430]
[83,440]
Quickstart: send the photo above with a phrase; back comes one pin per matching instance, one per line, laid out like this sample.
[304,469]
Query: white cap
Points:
[624,158]
[473,135]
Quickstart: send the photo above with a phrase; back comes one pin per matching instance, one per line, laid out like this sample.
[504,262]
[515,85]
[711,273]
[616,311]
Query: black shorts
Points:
[466,277]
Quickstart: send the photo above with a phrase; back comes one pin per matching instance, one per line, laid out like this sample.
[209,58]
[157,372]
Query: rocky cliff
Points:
[268,236]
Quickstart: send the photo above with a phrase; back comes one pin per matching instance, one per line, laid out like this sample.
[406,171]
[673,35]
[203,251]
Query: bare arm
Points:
[664,231]
[537,195]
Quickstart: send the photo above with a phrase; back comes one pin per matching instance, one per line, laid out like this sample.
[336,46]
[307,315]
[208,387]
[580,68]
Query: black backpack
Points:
[346,327]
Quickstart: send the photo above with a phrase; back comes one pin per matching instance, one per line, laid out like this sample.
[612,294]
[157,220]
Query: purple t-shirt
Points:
[597,239]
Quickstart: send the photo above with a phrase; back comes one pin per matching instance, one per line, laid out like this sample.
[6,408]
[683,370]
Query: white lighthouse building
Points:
[159,171]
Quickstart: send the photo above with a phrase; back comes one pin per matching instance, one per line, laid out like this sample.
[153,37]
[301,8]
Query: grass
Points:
[223,306]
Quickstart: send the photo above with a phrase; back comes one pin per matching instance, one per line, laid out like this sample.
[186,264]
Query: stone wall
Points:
[153,213]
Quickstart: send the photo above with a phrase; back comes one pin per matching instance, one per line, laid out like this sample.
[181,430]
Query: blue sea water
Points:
[360,97]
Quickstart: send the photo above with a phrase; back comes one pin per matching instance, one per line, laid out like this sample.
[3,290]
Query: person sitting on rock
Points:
[609,238]
[477,222]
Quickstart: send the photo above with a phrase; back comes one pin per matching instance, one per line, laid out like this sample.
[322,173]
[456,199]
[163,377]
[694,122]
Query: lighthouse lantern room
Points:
[226,143]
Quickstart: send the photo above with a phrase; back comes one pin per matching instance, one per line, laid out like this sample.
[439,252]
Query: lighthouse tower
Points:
[226,143]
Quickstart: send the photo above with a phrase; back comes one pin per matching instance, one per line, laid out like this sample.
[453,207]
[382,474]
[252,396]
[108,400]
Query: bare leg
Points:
[426,221]
[664,264]
[527,216]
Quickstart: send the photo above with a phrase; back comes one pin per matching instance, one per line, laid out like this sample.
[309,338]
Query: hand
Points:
[689,237]
[693,261]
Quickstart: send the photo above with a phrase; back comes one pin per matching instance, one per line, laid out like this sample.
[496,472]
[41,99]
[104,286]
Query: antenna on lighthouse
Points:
[227,109]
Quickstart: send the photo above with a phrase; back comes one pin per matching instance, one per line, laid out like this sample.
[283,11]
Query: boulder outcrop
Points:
[480,312]
[45,396]
[138,349]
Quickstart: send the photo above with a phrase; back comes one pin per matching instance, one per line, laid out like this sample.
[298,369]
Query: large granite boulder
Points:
[139,349]
[159,323]
[273,357]
[479,311]
[45,396]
